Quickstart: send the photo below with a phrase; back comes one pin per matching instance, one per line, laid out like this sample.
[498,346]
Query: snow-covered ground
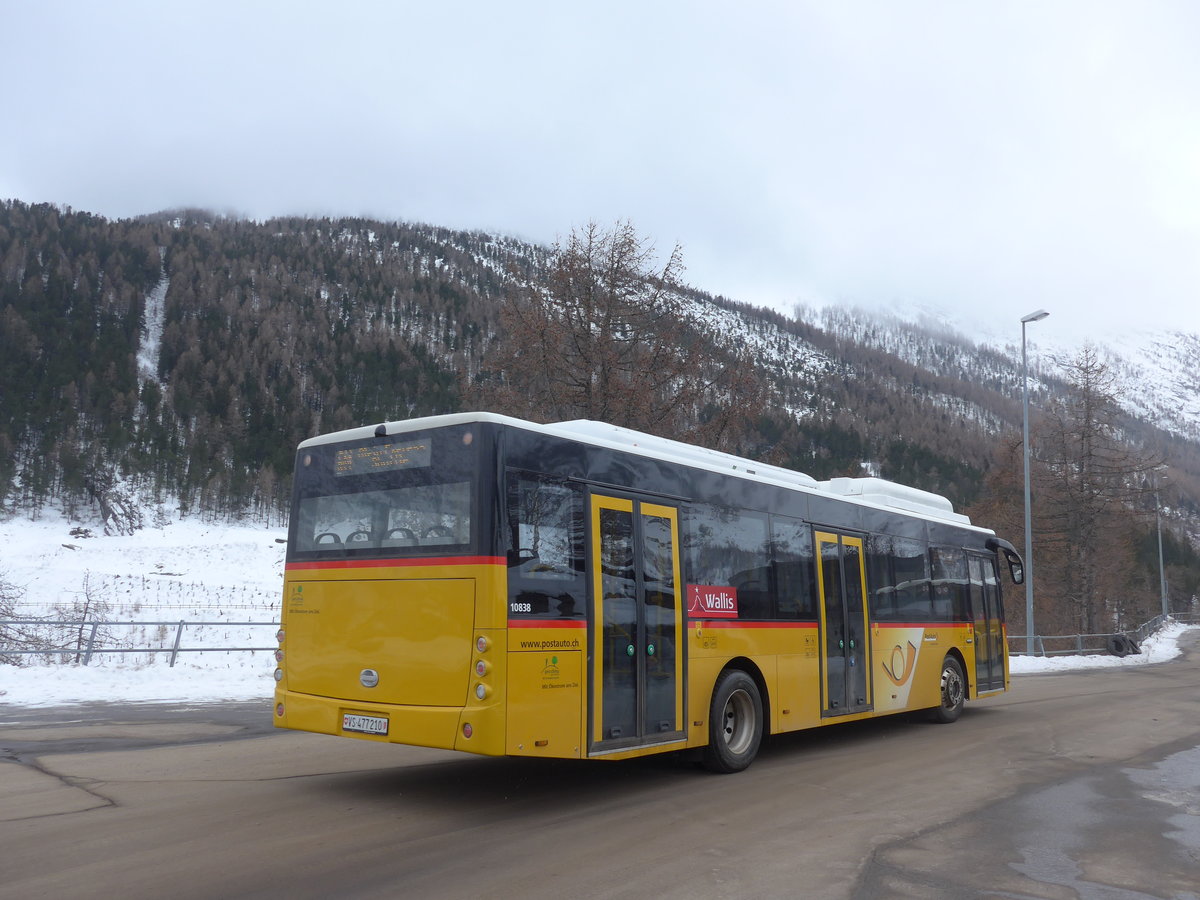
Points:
[196,572]
[188,571]
[1161,646]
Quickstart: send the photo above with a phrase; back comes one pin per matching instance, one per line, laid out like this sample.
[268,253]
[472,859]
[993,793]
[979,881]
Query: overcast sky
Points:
[986,157]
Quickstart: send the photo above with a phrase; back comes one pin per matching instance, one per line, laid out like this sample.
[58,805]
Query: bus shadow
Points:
[501,788]
[506,785]
[805,744]
[497,789]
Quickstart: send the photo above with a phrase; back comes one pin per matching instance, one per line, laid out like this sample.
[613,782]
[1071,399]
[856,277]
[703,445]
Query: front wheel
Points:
[735,723]
[954,692]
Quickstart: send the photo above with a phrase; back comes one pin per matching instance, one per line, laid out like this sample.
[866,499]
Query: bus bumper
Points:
[439,727]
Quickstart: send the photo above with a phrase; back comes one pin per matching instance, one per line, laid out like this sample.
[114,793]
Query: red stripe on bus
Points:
[390,563]
[547,623]
[920,624]
[737,623]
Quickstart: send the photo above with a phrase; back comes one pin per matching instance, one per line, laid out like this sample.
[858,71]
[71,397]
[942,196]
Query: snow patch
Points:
[188,570]
[196,571]
[150,346]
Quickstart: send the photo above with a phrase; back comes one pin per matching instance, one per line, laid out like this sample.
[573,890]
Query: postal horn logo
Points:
[900,667]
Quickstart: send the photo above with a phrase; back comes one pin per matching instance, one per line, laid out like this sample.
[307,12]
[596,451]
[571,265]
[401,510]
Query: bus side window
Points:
[792,552]
[545,556]
[910,566]
[898,577]
[729,548]
[881,581]
[991,588]
[951,597]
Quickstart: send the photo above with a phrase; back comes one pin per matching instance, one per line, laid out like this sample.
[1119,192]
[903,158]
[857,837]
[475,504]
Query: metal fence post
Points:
[87,657]
[175,649]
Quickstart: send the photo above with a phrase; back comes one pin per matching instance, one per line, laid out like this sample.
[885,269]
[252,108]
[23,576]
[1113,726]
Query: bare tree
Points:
[1089,481]
[87,609]
[611,337]
[16,632]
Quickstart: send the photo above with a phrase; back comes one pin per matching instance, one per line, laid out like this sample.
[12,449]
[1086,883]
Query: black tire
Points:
[735,723]
[953,692]
[1117,645]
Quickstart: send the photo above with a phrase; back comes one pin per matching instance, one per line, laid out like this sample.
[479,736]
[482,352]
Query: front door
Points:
[845,669]
[636,623]
[989,627]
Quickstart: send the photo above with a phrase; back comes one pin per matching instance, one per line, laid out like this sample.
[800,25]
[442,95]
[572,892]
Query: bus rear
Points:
[392,626]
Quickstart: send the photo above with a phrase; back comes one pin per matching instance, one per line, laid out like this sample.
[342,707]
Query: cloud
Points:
[992,156]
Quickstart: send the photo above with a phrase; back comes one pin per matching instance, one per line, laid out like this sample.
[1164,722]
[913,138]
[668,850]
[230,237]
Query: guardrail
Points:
[1079,644]
[85,646]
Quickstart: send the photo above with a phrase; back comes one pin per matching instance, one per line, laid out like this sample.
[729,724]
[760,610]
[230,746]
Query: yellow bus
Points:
[579,590]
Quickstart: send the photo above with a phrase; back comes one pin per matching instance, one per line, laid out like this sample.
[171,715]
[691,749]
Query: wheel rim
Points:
[737,722]
[952,687]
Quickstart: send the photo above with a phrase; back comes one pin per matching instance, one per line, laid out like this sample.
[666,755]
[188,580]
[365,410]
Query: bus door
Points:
[636,625]
[989,627]
[845,659]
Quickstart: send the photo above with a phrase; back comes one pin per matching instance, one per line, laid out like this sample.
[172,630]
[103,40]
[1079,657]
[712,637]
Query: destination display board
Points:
[382,458]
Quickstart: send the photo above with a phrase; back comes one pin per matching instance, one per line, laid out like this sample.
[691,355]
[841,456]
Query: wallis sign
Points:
[706,601]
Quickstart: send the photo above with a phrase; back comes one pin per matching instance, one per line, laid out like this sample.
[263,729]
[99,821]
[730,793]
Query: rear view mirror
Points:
[1016,568]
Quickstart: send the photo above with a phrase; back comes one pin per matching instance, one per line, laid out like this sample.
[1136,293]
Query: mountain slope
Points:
[183,355]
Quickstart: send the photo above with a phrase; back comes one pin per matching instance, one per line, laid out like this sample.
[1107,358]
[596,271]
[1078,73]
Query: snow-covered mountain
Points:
[1157,372]
[185,355]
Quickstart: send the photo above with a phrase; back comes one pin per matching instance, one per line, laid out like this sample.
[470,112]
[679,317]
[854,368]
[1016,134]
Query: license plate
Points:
[364,724]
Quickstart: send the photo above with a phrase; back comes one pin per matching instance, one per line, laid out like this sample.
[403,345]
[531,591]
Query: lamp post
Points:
[1035,316]
[1162,572]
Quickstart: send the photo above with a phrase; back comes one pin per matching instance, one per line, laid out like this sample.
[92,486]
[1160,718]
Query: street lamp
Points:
[1162,572]
[1036,316]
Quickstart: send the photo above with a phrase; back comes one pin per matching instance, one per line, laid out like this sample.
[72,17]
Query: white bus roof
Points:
[874,492]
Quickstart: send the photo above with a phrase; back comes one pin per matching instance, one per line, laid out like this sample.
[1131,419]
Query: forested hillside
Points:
[171,363]
[184,355]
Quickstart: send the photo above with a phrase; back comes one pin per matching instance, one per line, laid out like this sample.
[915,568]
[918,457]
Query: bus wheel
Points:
[954,692]
[735,723]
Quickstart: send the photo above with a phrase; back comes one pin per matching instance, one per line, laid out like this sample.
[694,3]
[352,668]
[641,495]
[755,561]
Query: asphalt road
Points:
[1077,785]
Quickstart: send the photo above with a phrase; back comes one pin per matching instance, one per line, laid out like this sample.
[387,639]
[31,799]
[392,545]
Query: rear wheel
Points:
[735,723]
[954,692]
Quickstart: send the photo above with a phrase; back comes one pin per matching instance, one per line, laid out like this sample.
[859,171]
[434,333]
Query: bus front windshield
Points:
[407,494]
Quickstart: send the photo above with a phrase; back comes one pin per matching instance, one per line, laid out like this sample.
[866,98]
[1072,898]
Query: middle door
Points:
[845,655]
[637,619]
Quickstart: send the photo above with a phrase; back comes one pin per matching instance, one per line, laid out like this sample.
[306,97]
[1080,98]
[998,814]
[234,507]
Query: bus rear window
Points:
[427,515]
[406,495]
